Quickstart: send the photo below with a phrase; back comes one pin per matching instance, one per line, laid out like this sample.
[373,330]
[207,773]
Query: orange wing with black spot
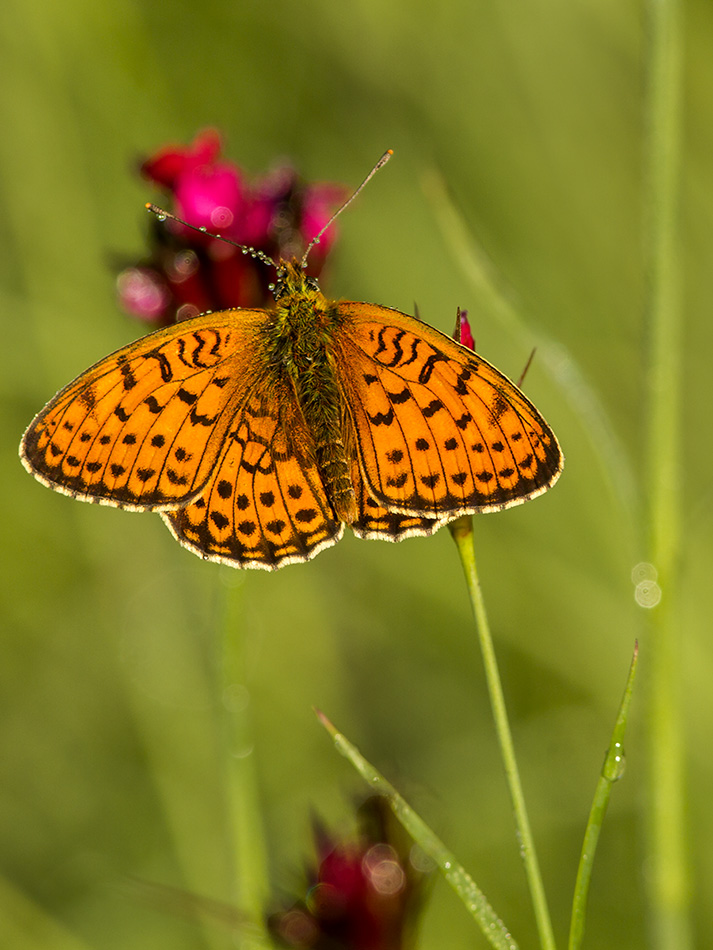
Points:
[187,421]
[375,522]
[264,504]
[143,428]
[439,431]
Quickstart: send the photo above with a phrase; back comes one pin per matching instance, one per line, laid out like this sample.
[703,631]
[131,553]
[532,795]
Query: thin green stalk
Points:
[669,894]
[612,770]
[247,848]
[462,531]
[462,883]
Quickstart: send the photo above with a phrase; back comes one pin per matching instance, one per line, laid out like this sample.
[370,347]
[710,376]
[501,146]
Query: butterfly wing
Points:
[374,522]
[439,431]
[264,504]
[143,428]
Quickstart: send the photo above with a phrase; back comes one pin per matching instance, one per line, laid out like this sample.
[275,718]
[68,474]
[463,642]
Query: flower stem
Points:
[669,895]
[462,531]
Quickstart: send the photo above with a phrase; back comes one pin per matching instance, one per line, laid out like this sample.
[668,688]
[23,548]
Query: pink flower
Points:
[187,272]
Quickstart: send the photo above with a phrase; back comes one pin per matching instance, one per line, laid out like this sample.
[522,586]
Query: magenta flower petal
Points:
[209,196]
[168,163]
[189,272]
[319,204]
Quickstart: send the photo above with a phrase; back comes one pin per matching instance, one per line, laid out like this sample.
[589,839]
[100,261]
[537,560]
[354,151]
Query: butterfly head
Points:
[293,280]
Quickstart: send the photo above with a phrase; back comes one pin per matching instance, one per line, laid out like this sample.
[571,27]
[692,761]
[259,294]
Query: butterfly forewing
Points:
[143,428]
[264,505]
[440,432]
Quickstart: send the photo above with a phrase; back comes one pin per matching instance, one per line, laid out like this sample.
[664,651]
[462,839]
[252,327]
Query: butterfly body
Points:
[302,348]
[257,434]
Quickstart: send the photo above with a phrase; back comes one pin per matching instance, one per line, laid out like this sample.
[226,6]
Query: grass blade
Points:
[612,770]
[462,883]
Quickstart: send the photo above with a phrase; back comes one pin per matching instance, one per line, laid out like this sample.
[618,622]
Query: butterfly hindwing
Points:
[143,427]
[440,431]
[374,522]
[264,505]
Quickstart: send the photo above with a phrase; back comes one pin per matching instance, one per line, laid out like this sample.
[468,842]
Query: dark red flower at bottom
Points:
[363,895]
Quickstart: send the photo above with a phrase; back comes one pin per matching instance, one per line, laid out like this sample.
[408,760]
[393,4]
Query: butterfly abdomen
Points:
[322,403]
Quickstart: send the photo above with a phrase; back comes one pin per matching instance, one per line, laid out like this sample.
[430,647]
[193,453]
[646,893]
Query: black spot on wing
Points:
[382,418]
[128,378]
[225,489]
[434,406]
[429,365]
[163,365]
[200,419]
[400,397]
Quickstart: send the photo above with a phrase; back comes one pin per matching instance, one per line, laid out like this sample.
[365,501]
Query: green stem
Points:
[247,847]
[612,770]
[462,531]
[669,895]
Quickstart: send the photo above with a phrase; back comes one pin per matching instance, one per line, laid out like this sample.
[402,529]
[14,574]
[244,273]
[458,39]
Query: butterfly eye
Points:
[311,283]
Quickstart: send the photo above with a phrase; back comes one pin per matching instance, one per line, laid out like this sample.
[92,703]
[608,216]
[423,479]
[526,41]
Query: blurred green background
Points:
[111,763]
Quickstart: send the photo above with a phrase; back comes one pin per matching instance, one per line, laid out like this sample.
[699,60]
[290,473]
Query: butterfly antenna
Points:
[164,215]
[315,240]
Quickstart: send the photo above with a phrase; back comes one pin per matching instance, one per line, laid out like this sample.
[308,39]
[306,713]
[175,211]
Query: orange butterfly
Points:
[258,434]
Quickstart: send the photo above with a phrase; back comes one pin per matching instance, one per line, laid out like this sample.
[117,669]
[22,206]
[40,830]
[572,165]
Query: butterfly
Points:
[257,434]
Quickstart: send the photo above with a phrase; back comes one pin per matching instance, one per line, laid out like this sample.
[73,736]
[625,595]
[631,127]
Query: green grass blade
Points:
[245,821]
[612,770]
[462,883]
